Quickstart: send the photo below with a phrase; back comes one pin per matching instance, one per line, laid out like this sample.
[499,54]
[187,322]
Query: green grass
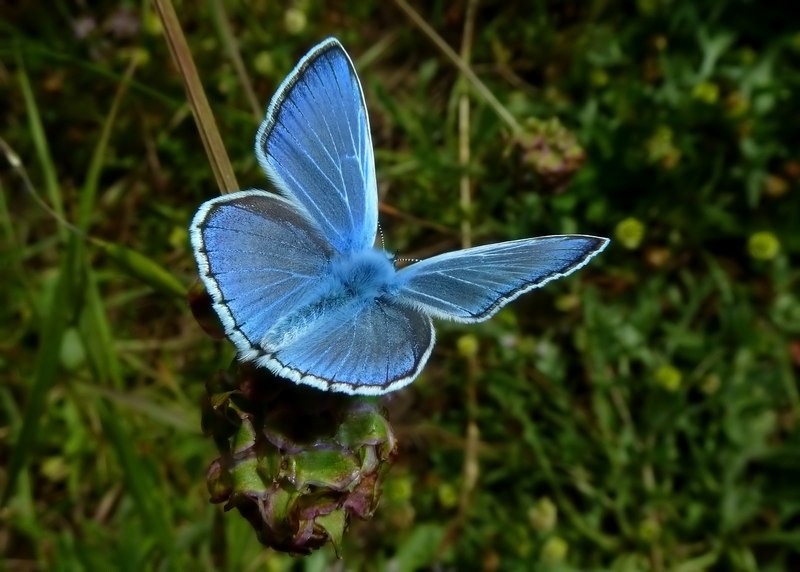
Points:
[640,415]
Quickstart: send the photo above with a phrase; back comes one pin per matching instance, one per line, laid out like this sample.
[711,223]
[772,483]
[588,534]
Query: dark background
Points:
[639,415]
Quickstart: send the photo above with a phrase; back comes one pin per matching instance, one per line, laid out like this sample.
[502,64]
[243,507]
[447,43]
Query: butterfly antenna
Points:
[380,233]
[16,164]
[395,258]
[405,261]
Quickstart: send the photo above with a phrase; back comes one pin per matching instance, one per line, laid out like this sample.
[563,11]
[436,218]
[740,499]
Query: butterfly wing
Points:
[472,285]
[376,348]
[264,264]
[259,258]
[316,148]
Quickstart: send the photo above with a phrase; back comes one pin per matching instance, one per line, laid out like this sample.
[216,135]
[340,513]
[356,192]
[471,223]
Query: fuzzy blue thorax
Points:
[361,276]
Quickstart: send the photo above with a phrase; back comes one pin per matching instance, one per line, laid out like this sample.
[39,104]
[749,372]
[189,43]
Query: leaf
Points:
[143,268]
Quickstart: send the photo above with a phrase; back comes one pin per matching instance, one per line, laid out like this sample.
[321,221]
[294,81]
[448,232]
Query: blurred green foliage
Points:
[641,415]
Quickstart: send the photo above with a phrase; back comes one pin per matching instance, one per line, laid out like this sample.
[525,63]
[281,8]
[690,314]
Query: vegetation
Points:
[640,415]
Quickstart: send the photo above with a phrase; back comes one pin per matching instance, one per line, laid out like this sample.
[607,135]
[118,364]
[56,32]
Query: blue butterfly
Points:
[296,279]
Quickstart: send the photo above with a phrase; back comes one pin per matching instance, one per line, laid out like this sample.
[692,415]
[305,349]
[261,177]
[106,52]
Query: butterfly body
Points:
[350,283]
[294,277]
[364,275]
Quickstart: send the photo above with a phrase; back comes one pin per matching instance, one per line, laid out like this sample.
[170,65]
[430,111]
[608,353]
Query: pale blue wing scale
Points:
[259,258]
[379,347]
[316,148]
[471,285]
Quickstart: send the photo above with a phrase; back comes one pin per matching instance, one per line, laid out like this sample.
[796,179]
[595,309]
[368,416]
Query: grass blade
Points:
[53,327]
[90,185]
[51,186]
[206,124]
[232,47]
[144,268]
[98,340]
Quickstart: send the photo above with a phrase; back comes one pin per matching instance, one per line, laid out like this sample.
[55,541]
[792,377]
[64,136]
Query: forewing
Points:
[380,347]
[316,148]
[259,258]
[472,285]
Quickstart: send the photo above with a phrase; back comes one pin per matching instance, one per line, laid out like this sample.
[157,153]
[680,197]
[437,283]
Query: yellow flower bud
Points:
[295,21]
[669,377]
[629,232]
[467,345]
[707,92]
[554,550]
[543,515]
[763,245]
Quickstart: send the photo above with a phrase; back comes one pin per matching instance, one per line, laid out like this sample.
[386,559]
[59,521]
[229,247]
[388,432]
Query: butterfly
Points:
[295,277]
